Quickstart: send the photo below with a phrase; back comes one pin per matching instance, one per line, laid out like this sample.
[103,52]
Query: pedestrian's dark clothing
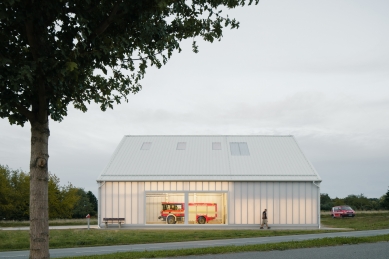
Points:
[264,219]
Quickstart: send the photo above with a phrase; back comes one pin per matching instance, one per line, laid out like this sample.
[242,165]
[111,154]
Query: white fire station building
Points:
[229,180]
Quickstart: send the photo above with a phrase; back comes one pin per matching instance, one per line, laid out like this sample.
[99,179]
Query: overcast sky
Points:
[318,70]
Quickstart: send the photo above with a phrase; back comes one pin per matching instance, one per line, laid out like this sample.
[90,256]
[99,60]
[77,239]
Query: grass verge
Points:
[366,221]
[323,242]
[54,222]
[19,240]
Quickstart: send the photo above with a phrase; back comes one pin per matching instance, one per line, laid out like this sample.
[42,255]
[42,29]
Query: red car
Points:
[342,211]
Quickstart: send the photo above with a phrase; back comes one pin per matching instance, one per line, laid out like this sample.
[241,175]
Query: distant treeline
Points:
[64,201]
[357,202]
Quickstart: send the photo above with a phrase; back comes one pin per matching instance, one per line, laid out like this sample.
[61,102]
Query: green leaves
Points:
[63,200]
[54,49]
[70,66]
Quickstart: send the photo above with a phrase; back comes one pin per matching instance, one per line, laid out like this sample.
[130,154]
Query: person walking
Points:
[264,219]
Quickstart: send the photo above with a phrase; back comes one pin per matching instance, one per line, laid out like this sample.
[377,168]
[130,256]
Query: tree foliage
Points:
[326,202]
[56,53]
[14,194]
[385,200]
[50,51]
[83,206]
[93,201]
[357,202]
[63,200]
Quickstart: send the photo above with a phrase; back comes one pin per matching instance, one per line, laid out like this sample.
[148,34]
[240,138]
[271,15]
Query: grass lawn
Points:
[54,222]
[362,221]
[19,240]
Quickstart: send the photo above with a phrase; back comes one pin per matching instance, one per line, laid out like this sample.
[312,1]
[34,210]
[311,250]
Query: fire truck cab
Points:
[199,212]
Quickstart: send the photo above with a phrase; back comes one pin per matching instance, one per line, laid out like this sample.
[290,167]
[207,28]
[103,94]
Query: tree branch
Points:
[42,102]
[25,112]
[143,58]
[31,38]
[104,25]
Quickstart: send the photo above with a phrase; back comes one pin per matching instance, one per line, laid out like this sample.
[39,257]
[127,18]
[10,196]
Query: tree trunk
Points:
[39,210]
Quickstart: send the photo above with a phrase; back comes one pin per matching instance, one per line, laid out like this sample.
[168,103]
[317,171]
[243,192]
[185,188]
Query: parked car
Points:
[342,211]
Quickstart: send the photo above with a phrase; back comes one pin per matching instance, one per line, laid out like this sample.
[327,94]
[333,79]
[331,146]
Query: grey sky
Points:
[318,70]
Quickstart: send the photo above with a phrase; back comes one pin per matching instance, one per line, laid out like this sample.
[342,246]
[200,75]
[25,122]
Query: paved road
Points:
[67,252]
[360,251]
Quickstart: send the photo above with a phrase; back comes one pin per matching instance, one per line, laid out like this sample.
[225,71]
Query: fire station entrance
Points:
[186,208]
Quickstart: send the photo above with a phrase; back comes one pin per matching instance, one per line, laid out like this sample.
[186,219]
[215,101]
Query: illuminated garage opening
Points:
[207,208]
[162,208]
[170,208]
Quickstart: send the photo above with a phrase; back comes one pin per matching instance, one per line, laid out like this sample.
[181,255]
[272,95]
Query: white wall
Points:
[288,203]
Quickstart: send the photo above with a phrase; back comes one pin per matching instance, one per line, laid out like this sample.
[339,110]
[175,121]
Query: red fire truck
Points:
[200,212]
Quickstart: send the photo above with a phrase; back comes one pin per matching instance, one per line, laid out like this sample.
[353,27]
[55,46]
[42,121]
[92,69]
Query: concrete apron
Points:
[211,226]
[186,227]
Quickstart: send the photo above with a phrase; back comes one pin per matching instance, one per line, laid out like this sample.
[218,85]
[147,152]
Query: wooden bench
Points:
[113,220]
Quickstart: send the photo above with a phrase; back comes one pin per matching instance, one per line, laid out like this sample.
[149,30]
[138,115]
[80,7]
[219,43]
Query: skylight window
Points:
[216,146]
[181,145]
[146,146]
[239,149]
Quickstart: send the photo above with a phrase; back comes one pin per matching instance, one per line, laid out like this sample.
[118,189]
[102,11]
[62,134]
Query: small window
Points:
[181,145]
[234,147]
[239,149]
[146,146]
[216,146]
[244,149]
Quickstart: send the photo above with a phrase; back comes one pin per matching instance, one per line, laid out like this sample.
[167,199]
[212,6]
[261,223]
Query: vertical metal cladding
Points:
[288,203]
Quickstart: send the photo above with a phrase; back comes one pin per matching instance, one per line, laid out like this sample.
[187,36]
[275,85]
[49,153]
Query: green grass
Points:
[323,242]
[362,221]
[19,240]
[54,222]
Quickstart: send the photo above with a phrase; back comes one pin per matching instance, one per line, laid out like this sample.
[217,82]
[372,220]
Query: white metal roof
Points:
[268,158]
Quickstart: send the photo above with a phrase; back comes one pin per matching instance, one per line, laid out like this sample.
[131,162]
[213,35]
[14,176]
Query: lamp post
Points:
[88,218]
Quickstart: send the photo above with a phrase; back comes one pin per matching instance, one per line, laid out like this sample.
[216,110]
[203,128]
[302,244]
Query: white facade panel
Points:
[115,199]
[128,203]
[250,203]
[302,203]
[257,203]
[108,202]
[238,203]
[283,203]
[296,203]
[262,198]
[288,203]
[134,203]
[270,201]
[276,203]
[102,201]
[122,199]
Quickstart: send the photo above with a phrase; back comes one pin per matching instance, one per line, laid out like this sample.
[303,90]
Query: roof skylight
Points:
[146,146]
[239,149]
[216,146]
[181,145]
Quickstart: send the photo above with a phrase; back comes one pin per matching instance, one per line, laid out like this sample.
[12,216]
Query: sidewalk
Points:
[114,227]
[140,227]
[53,227]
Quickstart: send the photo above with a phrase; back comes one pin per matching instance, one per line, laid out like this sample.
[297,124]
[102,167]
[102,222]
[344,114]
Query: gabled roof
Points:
[196,158]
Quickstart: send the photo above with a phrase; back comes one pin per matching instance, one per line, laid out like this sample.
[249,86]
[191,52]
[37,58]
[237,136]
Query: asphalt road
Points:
[68,252]
[360,251]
